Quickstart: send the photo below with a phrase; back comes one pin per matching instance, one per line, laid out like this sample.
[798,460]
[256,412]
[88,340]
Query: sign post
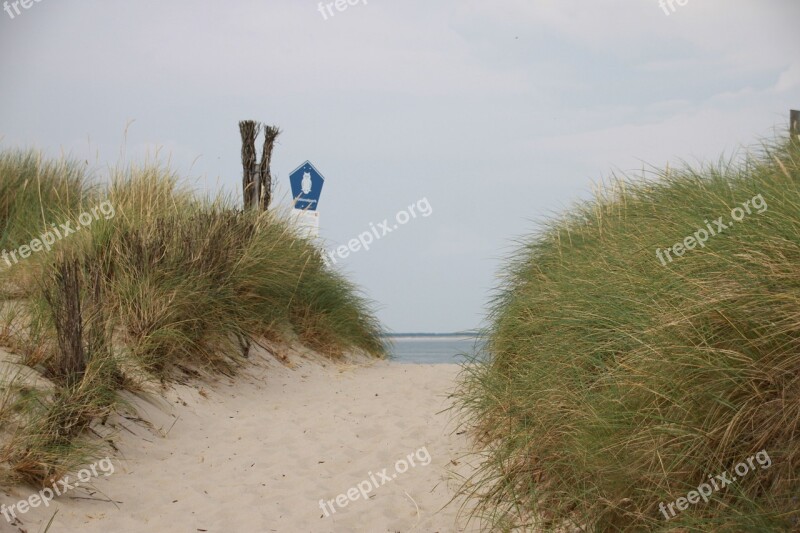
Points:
[306,182]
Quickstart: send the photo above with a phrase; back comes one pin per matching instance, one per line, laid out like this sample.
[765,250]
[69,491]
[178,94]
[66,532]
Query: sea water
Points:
[434,350]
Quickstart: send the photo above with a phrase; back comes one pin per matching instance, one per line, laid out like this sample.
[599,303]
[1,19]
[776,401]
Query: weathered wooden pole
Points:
[794,122]
[64,298]
[265,175]
[250,193]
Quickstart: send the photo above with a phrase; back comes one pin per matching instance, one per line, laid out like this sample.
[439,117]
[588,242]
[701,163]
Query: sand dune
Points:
[258,453]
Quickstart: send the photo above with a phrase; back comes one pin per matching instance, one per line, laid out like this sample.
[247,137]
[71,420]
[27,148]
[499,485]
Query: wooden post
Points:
[250,182]
[794,122]
[255,183]
[264,175]
[256,177]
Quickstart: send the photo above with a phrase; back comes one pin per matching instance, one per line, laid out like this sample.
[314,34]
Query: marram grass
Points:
[171,283]
[618,382]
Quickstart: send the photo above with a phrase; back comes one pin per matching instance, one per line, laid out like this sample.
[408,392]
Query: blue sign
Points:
[307,185]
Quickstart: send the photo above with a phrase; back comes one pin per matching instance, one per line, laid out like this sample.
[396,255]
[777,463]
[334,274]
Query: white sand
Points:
[257,453]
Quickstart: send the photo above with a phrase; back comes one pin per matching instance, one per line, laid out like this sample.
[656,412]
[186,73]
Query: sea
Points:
[428,349]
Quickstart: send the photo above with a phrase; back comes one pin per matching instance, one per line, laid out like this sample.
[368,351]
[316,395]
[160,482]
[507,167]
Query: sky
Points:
[495,115]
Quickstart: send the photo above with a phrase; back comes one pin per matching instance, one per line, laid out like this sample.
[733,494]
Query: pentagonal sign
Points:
[307,185]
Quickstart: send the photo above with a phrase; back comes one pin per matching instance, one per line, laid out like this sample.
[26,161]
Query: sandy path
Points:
[258,454]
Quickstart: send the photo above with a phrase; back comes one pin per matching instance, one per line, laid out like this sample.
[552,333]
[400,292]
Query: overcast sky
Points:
[498,113]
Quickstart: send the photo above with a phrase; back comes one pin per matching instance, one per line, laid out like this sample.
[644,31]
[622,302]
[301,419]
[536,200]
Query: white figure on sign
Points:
[305,185]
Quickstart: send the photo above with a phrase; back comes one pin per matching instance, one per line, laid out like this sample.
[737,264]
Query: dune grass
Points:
[159,284]
[617,382]
[35,191]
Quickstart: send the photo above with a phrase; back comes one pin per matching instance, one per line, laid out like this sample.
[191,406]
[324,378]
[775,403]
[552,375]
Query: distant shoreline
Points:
[461,334]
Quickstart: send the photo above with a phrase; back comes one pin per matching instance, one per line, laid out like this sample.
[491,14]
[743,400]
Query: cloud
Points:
[789,78]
